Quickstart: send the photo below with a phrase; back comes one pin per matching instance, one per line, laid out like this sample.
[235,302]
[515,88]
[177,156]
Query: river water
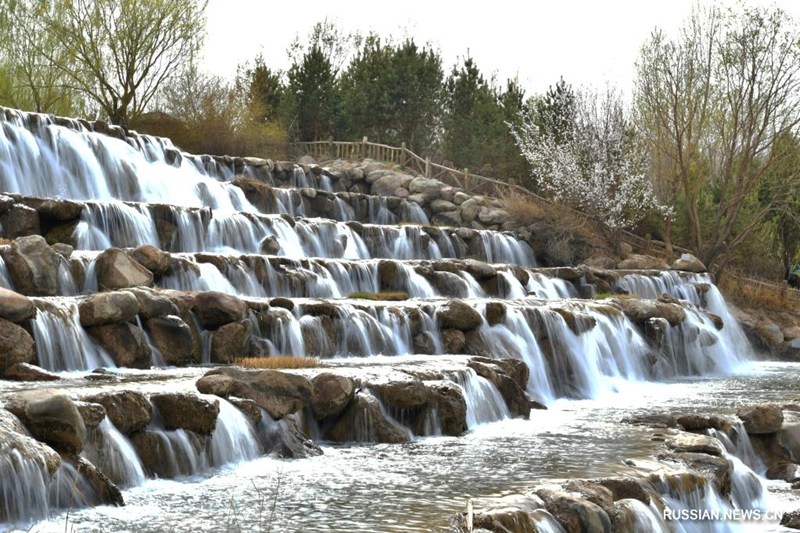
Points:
[420,485]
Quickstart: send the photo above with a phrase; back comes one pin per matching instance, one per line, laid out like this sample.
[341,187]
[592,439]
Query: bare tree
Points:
[121,51]
[713,102]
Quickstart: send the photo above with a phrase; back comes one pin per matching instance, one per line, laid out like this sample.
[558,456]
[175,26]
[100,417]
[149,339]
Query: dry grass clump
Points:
[756,295]
[380,296]
[523,209]
[279,362]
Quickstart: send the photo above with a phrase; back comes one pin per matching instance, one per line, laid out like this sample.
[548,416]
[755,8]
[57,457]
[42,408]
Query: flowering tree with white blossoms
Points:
[597,166]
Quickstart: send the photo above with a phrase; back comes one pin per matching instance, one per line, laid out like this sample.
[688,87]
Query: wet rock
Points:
[761,419]
[249,408]
[456,314]
[791,519]
[626,488]
[108,308]
[453,341]
[231,342]
[32,266]
[129,411]
[641,310]
[16,345]
[124,342]
[283,439]
[153,303]
[689,263]
[278,393]
[594,493]
[514,395]
[155,260]
[158,458]
[699,422]
[93,487]
[447,399]
[19,221]
[660,421]
[92,413]
[575,514]
[270,245]
[64,250]
[495,313]
[15,439]
[656,329]
[215,309]
[784,470]
[330,394]
[424,344]
[688,442]
[402,394]
[187,411]
[173,339]
[27,372]
[14,306]
[52,418]
[117,270]
[365,420]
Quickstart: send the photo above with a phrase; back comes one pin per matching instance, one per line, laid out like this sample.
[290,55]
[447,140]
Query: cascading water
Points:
[61,342]
[484,402]
[112,452]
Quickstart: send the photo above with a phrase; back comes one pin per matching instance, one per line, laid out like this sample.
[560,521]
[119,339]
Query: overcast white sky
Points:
[587,42]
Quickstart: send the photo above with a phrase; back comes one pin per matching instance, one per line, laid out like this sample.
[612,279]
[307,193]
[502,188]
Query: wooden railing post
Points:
[428,167]
[401,160]
[466,178]
[364,147]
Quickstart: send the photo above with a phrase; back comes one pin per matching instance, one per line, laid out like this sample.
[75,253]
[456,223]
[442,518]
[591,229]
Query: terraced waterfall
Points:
[450,381]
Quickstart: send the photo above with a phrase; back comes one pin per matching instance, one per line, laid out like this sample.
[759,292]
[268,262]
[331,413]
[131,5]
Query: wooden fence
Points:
[461,178]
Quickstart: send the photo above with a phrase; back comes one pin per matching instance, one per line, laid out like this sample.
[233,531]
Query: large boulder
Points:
[28,372]
[365,420]
[124,342]
[231,342]
[447,399]
[215,309]
[278,393]
[153,303]
[14,306]
[388,183]
[330,394]
[429,189]
[19,221]
[108,308]
[456,314]
[129,411]
[187,411]
[689,263]
[574,513]
[15,440]
[172,337]
[642,262]
[153,259]
[51,417]
[406,394]
[16,345]
[33,266]
[117,270]
[769,333]
[761,419]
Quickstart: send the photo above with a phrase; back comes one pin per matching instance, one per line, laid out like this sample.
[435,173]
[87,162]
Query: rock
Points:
[429,189]
[153,303]
[101,490]
[469,210]
[330,394]
[116,270]
[424,343]
[187,411]
[642,262]
[575,514]
[64,250]
[16,441]
[128,410]
[388,275]
[19,221]
[248,409]
[456,314]
[32,266]
[283,439]
[448,400]
[59,210]
[461,197]
[16,345]
[124,342]
[14,306]
[278,393]
[52,418]
[441,206]
[626,488]
[401,394]
[173,339]
[640,310]
[152,449]
[108,308]
[691,443]
[702,423]
[784,470]
[365,421]
[493,216]
[231,342]
[453,341]
[153,259]
[761,419]
[91,413]
[449,219]
[495,313]
[215,309]
[387,182]
[689,263]
[791,519]
[270,245]
[769,332]
[28,372]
